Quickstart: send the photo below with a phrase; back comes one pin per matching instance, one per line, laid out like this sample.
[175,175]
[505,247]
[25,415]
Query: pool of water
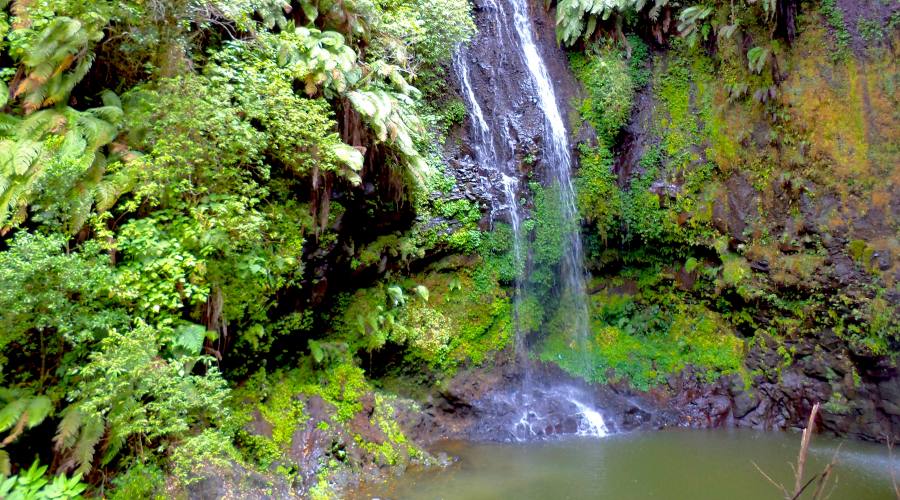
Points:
[671,464]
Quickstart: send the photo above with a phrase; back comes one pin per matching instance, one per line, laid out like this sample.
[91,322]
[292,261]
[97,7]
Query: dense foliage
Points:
[168,173]
[702,219]
[222,221]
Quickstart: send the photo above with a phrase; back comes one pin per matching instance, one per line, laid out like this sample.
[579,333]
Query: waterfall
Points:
[507,89]
[486,154]
[510,185]
[558,157]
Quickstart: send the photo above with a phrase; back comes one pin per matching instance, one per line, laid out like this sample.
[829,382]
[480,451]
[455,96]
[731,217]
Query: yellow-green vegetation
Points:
[276,401]
[179,181]
[609,86]
[443,317]
[643,338]
[743,140]
[215,212]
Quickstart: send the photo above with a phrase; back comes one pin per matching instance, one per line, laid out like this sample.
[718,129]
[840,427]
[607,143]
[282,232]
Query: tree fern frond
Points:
[67,430]
[110,98]
[8,394]
[108,191]
[37,124]
[73,145]
[34,99]
[38,409]
[110,114]
[27,152]
[9,124]
[11,413]
[83,452]
[96,132]
[113,447]
[7,154]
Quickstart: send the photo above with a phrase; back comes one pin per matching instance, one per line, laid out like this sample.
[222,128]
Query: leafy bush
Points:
[608,80]
[35,484]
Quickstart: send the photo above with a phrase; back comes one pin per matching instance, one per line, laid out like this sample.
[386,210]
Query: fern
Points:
[38,409]
[320,59]
[31,145]
[391,117]
[690,17]
[756,59]
[22,411]
[189,338]
[55,61]
[67,430]
[82,454]
[11,413]
[579,18]
[396,295]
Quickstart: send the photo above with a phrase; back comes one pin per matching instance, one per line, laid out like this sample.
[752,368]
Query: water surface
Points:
[671,464]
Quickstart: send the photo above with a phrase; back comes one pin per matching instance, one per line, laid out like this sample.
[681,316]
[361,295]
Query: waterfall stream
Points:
[558,157]
[495,139]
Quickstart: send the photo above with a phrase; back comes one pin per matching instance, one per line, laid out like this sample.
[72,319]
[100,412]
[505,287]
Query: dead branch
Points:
[804,449]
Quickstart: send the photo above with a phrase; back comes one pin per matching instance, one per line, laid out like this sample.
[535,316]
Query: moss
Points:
[837,405]
[861,252]
[839,107]
[607,78]
[275,399]
[549,231]
[499,257]
[642,342]
[140,480]
[466,316]
[835,18]
[396,448]
[598,194]
[734,269]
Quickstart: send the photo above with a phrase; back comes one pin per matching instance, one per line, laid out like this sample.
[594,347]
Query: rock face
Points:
[487,405]
[501,82]
[783,392]
[482,404]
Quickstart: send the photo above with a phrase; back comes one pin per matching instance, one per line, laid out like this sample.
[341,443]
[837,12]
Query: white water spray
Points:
[558,156]
[542,410]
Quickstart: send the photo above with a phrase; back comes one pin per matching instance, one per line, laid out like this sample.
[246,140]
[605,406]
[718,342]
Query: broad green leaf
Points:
[38,409]
[396,294]
[349,156]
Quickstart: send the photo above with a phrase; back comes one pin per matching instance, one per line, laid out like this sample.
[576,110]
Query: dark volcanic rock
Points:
[500,79]
[859,399]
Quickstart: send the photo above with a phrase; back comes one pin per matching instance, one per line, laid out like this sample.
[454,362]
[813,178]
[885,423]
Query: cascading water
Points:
[486,153]
[558,157]
[510,185]
[542,410]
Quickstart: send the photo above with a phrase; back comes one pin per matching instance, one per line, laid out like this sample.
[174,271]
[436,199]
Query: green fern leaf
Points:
[27,152]
[190,337]
[83,454]
[756,59]
[113,447]
[11,413]
[67,430]
[5,467]
[38,409]
[110,99]
[396,295]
